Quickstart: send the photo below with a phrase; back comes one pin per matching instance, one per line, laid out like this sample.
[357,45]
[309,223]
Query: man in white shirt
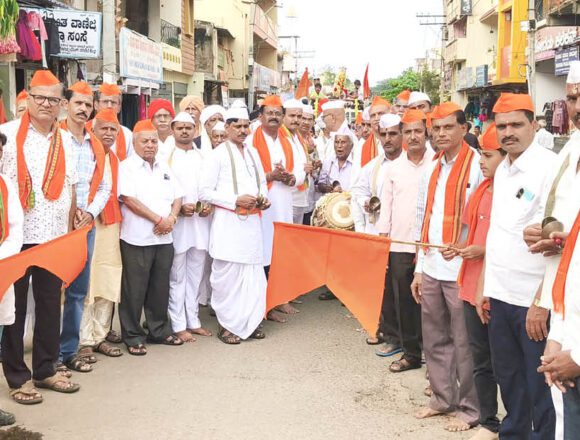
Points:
[543,136]
[443,193]
[48,200]
[336,171]
[109,96]
[513,275]
[190,234]
[333,117]
[370,180]
[233,181]
[151,200]
[400,326]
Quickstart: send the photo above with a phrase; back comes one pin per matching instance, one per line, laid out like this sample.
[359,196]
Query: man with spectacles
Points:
[161,113]
[39,159]
[109,96]
[93,190]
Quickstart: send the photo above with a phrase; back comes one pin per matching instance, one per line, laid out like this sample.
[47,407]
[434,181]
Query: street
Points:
[311,378]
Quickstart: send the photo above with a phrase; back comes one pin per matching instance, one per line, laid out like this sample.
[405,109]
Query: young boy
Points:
[476,217]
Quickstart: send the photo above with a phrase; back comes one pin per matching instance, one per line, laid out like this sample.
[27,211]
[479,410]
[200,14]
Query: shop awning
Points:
[43,4]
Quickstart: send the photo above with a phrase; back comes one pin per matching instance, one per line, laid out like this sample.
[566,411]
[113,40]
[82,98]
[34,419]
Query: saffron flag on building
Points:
[366,86]
[352,265]
[303,86]
[64,256]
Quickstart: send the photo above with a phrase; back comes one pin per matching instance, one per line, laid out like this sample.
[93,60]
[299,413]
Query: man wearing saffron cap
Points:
[476,217]
[92,190]
[232,180]
[106,266]
[151,200]
[370,180]
[190,235]
[401,103]
[35,141]
[443,193]
[21,103]
[372,146]
[109,96]
[400,325]
[560,358]
[513,275]
[161,113]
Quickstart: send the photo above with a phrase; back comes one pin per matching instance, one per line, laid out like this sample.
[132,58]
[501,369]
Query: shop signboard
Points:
[481,76]
[462,79]
[466,7]
[79,32]
[550,38]
[265,79]
[563,59]
[140,57]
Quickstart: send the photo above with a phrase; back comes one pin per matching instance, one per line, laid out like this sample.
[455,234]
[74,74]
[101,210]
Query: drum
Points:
[333,211]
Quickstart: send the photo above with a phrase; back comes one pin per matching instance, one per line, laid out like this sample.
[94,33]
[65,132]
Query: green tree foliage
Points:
[425,80]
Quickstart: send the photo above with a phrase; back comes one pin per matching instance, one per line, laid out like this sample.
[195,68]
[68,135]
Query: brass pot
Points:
[549,225]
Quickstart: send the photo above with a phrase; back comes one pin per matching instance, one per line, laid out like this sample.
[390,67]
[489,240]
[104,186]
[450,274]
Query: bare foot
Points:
[457,425]
[199,331]
[276,317]
[427,412]
[287,309]
[185,336]
[428,391]
[484,434]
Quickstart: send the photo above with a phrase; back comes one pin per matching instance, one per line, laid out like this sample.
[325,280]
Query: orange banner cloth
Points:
[366,86]
[64,256]
[303,86]
[352,265]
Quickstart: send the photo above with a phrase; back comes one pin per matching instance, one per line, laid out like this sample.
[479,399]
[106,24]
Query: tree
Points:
[426,81]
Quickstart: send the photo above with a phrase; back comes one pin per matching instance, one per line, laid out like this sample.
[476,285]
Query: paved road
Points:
[312,378]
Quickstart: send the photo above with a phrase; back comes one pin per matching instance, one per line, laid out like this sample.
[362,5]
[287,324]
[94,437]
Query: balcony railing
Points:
[170,34]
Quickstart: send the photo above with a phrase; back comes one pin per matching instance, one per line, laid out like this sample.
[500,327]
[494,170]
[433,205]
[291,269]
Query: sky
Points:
[384,33]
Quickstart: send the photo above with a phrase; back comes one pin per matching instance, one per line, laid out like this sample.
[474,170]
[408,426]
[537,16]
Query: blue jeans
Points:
[572,412]
[515,357]
[74,304]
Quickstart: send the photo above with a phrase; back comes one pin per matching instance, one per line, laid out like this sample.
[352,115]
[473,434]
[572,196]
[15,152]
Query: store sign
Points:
[79,32]
[549,39]
[481,75]
[171,58]
[140,57]
[466,7]
[563,59]
[265,79]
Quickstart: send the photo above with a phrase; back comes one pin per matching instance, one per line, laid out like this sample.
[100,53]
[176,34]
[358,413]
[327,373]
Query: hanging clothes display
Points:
[549,115]
[29,44]
[560,118]
[53,42]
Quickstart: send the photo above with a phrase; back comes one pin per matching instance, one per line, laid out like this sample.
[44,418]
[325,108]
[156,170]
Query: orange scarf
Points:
[474,202]
[4,225]
[121,145]
[455,191]
[559,288]
[99,153]
[369,150]
[54,172]
[112,212]
[264,153]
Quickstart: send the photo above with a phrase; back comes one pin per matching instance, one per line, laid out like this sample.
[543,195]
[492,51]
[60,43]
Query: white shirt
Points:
[325,147]
[233,238]
[191,231]
[331,171]
[512,273]
[432,263]
[47,219]
[299,198]
[545,138]
[369,183]
[157,188]
[566,330]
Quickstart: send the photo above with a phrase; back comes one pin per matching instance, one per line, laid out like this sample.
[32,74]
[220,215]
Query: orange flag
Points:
[303,86]
[366,87]
[353,266]
[64,256]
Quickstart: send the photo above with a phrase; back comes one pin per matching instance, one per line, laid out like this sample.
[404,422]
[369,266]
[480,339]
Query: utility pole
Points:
[427,19]
[531,68]
[109,38]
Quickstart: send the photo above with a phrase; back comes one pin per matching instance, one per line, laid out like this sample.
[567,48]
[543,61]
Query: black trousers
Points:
[483,377]
[401,315]
[145,286]
[572,411]
[46,289]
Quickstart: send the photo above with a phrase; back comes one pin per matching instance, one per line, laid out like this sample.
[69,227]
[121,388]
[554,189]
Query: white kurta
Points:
[368,184]
[236,245]
[11,246]
[280,196]
[299,198]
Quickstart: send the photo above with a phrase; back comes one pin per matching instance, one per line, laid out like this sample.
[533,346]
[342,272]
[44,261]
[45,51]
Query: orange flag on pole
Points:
[64,256]
[303,86]
[353,266]
[366,87]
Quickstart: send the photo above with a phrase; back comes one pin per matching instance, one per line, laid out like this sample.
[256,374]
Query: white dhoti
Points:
[96,322]
[205,285]
[238,296]
[184,289]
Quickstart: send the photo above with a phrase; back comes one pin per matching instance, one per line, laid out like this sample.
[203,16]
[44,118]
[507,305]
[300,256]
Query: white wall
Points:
[548,88]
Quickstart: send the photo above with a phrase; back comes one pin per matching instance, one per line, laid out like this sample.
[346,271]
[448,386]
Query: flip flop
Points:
[390,350]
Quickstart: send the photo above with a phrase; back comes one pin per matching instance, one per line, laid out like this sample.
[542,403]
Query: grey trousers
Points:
[447,351]
[145,286]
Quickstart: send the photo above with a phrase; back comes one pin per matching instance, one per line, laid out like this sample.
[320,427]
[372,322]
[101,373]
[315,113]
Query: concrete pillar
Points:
[109,44]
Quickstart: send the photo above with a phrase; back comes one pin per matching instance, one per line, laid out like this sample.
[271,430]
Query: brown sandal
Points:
[27,389]
[52,383]
[87,354]
[404,364]
[229,339]
[108,350]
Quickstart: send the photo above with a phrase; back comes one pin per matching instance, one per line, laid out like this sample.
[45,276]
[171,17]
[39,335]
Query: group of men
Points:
[180,213]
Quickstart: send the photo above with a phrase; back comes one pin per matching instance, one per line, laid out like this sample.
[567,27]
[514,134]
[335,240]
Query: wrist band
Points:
[159,221]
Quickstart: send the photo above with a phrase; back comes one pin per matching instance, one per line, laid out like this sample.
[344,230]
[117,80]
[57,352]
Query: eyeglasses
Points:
[40,100]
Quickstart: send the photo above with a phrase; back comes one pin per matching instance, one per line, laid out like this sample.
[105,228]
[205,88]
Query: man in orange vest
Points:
[93,191]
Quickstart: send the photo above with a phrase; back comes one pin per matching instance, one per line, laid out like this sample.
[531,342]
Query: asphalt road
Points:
[311,378]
